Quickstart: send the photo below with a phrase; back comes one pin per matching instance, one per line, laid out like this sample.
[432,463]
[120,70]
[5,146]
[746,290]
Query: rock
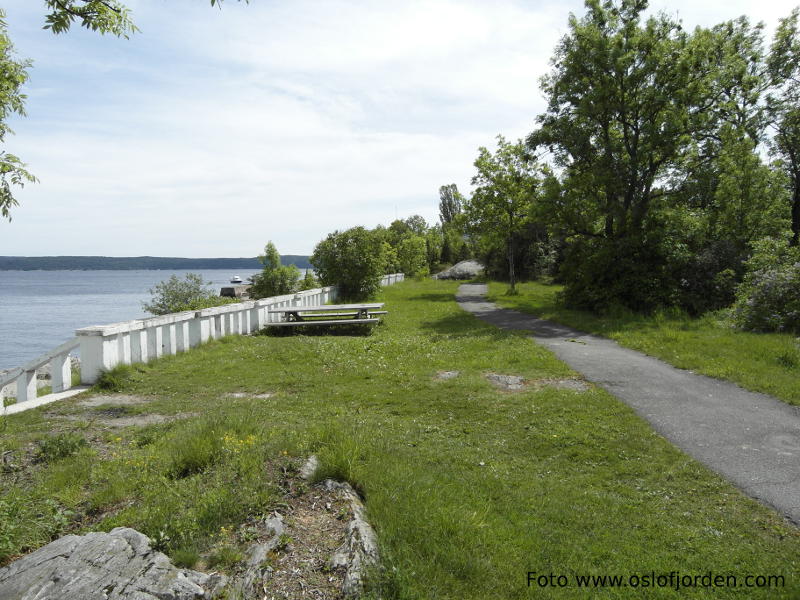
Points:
[310,467]
[466,269]
[507,382]
[359,552]
[104,566]
[575,385]
[249,584]
[445,375]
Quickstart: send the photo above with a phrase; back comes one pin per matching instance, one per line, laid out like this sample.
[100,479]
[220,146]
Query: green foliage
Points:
[103,16]
[61,445]
[451,202]
[12,101]
[176,295]
[507,183]
[412,255]
[354,260]
[275,279]
[115,379]
[309,282]
[769,297]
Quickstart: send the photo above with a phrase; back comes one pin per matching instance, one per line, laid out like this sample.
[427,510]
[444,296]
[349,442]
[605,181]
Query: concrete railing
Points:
[103,347]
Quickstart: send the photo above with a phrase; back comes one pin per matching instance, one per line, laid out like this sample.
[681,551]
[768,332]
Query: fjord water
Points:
[41,309]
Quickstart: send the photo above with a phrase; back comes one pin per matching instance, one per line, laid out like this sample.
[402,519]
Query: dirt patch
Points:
[316,526]
[113,399]
[247,395]
[510,383]
[445,375]
[576,385]
[115,418]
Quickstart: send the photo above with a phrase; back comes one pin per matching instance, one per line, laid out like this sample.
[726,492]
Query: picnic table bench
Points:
[329,314]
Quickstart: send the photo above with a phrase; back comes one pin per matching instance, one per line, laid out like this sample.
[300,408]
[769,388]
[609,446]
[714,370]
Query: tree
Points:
[14,75]
[275,279]
[102,16]
[506,186]
[176,295]
[353,260]
[784,109]
[450,203]
[412,255]
[624,99]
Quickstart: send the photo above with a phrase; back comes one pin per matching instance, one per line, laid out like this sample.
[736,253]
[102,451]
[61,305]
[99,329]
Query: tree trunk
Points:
[795,241]
[512,276]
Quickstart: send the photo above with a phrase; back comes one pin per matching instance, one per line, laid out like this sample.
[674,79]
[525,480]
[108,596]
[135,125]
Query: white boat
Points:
[236,279]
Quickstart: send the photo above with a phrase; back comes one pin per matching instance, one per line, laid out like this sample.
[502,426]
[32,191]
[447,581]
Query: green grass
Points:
[469,488]
[762,362]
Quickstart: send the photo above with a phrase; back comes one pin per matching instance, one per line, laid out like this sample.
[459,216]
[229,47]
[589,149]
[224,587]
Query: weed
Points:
[185,557]
[59,446]
[225,556]
[116,379]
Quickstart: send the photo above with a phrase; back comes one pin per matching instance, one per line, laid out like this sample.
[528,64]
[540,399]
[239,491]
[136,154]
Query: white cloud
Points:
[214,131]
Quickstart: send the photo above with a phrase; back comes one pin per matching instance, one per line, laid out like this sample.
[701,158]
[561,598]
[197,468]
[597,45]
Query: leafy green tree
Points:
[14,75]
[275,279]
[784,109]
[624,99]
[506,183]
[412,255]
[354,260]
[309,282]
[176,295]
[451,203]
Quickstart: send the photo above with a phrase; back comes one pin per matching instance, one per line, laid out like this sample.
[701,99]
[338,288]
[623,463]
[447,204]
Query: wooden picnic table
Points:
[330,314]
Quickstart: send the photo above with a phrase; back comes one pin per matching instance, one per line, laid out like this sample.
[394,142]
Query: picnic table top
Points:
[327,307]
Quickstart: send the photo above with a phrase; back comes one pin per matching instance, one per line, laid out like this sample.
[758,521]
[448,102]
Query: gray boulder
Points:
[104,566]
[466,269]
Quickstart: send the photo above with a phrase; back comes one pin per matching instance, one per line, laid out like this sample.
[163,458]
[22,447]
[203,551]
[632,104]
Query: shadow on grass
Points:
[443,297]
[466,325]
[319,330]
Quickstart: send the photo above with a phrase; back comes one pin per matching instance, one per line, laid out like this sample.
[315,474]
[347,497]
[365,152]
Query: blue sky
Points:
[213,131]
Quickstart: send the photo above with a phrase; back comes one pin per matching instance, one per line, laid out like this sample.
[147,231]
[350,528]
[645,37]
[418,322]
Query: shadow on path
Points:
[751,439]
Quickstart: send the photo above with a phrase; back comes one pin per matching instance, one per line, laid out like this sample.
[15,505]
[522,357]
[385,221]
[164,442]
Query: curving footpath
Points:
[751,439]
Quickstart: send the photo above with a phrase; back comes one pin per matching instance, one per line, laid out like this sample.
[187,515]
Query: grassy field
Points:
[762,362]
[469,487]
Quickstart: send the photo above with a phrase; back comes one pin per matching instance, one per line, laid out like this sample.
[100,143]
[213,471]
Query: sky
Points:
[212,132]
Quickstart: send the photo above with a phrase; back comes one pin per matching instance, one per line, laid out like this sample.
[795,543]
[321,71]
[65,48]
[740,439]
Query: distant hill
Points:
[96,263]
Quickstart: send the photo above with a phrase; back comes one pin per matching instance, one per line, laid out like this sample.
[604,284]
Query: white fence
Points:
[103,347]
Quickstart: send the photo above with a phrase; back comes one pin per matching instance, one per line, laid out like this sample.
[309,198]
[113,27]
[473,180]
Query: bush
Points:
[275,279]
[176,295]
[709,279]
[59,446]
[640,274]
[354,260]
[309,282]
[769,299]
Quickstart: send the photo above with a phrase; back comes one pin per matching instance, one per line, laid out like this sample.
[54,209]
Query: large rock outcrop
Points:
[466,269]
[104,566]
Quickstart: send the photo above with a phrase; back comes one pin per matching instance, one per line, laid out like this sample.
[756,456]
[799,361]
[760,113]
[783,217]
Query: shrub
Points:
[275,279]
[638,273]
[770,300]
[309,282]
[709,279]
[59,446]
[769,297]
[354,260]
[176,295]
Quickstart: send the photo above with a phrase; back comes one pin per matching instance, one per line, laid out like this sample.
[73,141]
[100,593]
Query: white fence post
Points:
[61,373]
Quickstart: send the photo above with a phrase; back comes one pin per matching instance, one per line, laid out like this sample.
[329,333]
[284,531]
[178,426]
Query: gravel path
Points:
[751,439]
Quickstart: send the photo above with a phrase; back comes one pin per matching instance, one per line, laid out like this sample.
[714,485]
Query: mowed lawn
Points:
[469,487]
[762,362]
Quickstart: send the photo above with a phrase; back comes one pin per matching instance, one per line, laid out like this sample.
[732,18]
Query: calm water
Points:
[41,309]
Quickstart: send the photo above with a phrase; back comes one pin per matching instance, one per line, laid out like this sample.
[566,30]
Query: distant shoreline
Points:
[130,263]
